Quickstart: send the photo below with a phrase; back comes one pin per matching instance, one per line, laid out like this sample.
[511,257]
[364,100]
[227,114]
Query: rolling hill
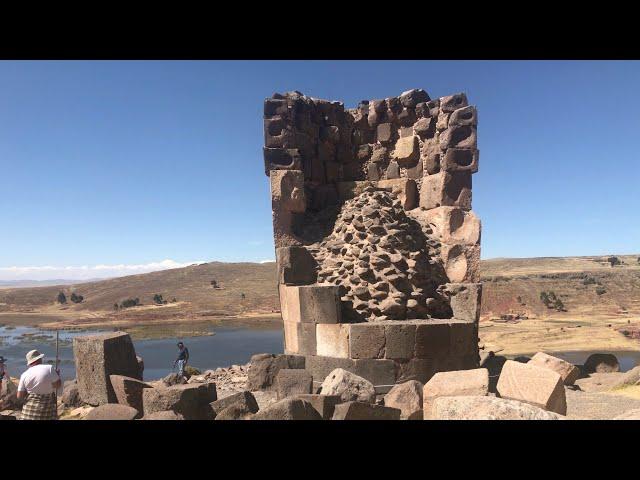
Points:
[586,285]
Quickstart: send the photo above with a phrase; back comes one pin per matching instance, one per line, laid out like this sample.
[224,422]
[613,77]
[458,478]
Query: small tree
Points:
[214,283]
[613,261]
[157,299]
[76,298]
[115,306]
[62,298]
[130,302]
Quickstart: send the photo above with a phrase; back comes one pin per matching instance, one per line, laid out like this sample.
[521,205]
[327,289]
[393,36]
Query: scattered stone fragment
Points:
[566,370]
[364,411]
[349,386]
[487,408]
[407,397]
[455,383]
[112,411]
[288,409]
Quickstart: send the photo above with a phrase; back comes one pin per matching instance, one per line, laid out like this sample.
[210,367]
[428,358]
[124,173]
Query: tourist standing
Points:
[183,358]
[39,385]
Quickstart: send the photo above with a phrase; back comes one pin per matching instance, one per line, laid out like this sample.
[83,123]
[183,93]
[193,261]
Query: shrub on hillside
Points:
[158,300]
[600,290]
[62,298]
[76,298]
[130,302]
[614,261]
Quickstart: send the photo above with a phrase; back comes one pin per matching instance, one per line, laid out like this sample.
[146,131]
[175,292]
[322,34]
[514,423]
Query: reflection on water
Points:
[217,345]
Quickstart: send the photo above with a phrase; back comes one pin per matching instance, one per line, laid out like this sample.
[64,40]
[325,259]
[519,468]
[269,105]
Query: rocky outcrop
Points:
[601,363]
[264,368]
[191,401]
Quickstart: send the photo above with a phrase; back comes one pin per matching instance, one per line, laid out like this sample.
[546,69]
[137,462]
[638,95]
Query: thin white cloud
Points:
[85,272]
[267,261]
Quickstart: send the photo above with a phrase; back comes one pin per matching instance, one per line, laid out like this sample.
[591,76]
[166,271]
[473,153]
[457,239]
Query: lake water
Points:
[228,345]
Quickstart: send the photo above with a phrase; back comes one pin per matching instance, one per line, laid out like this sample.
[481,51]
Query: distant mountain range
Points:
[43,283]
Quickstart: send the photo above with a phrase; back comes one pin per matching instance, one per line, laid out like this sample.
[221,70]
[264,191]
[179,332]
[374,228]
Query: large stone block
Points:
[486,408]
[366,340]
[451,225]
[265,366]
[451,103]
[281,159]
[320,367]
[129,391]
[99,356]
[403,188]
[464,342]
[433,339]
[533,384]
[332,340]
[292,382]
[447,384]
[400,340]
[288,409]
[245,400]
[407,397]
[310,304]
[296,266]
[112,411]
[464,137]
[364,411]
[465,300]
[300,338]
[446,189]
[324,404]
[287,190]
[461,262]
[191,401]
[566,370]
[348,386]
[460,160]
[464,116]
[407,151]
[380,372]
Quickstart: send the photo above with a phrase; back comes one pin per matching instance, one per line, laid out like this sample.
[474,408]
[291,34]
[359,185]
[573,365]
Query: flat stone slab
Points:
[597,406]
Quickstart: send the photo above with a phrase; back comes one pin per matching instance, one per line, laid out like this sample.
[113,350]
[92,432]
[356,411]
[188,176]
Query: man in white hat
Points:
[39,384]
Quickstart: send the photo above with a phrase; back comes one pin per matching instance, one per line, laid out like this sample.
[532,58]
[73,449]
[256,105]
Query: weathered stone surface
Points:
[413,97]
[349,386]
[629,415]
[320,367]
[310,303]
[173,379]
[631,377]
[464,116]
[292,382]
[486,408]
[379,372]
[403,188]
[460,160]
[281,159]
[71,394]
[407,397]
[533,384]
[364,411]
[407,151]
[566,370]
[264,368]
[296,266]
[288,409]
[451,225]
[400,341]
[112,411]
[332,340]
[300,338]
[245,401]
[191,401]
[453,102]
[447,384]
[446,189]
[465,300]
[324,404]
[366,340]
[461,263]
[163,415]
[287,188]
[97,357]
[601,363]
[235,412]
[128,391]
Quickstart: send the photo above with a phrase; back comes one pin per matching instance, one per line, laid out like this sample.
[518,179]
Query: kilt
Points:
[40,407]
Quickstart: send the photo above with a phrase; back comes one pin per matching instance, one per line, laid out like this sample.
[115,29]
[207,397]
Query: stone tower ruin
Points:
[377,248]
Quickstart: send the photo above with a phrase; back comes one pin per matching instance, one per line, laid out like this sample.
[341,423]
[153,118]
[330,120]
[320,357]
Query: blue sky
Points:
[126,164]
